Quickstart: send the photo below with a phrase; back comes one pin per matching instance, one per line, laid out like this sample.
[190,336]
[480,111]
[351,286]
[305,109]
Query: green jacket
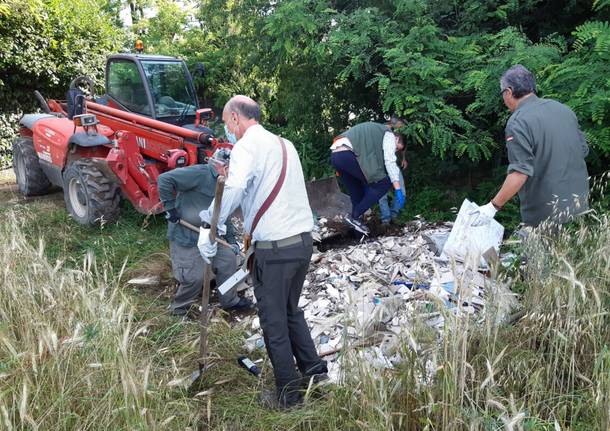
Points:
[190,190]
[545,143]
[367,143]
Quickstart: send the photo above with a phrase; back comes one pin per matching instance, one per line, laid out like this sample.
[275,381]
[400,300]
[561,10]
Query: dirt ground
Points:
[9,193]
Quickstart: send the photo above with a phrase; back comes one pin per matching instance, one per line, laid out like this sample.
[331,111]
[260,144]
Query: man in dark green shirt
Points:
[184,192]
[546,153]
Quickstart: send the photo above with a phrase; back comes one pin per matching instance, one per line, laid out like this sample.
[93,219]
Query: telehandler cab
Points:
[100,149]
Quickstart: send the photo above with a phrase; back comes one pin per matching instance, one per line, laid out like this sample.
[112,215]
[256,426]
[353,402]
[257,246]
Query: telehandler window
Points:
[126,86]
[171,91]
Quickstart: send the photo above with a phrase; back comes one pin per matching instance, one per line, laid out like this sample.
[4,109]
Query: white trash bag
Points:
[467,243]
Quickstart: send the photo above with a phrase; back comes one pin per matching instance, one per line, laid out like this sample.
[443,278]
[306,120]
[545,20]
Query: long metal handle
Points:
[207,276]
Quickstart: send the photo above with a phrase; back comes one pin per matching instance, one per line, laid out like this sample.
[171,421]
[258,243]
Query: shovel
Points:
[326,199]
[207,275]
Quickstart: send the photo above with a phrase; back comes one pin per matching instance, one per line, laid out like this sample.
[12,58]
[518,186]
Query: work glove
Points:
[172,216]
[484,215]
[206,217]
[206,247]
[400,197]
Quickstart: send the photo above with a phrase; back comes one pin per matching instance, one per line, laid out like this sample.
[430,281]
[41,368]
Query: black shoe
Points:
[193,312]
[269,399]
[356,224]
[314,385]
[316,379]
[244,304]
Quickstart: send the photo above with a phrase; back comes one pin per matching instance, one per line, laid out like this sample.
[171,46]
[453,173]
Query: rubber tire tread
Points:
[102,194]
[36,182]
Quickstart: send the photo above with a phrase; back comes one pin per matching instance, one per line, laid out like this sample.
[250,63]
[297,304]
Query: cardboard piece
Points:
[235,279]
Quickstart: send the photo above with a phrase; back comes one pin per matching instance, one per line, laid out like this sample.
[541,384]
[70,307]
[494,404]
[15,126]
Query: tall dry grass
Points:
[546,368]
[74,354]
[69,357]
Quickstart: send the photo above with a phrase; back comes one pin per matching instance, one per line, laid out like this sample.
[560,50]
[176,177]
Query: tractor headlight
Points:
[85,120]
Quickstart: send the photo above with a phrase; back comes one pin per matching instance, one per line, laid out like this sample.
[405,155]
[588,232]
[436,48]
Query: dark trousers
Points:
[362,194]
[279,274]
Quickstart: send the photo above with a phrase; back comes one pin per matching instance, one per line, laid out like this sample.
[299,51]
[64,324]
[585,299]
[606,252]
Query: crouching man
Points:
[365,158]
[184,192]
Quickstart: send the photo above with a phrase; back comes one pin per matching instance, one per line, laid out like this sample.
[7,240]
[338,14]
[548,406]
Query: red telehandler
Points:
[100,149]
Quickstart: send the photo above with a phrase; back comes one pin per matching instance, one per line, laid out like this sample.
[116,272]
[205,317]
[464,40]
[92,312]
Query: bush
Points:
[8,132]
[44,45]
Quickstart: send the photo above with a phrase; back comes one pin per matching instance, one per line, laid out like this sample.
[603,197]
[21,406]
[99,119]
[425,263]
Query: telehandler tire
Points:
[91,197]
[31,179]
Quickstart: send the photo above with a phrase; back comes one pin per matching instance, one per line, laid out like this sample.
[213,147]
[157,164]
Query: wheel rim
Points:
[21,178]
[78,199]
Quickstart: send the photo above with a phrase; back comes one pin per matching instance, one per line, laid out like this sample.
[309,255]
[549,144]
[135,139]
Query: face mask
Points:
[230,136]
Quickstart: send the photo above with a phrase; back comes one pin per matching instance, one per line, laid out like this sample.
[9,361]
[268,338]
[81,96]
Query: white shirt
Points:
[256,163]
[389,153]
[389,156]
[341,142]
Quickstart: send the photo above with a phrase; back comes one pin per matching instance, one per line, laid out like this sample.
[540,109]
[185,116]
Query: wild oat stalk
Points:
[68,352]
[549,367]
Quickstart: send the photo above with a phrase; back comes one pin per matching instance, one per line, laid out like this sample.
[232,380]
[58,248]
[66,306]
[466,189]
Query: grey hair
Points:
[248,108]
[520,80]
[395,120]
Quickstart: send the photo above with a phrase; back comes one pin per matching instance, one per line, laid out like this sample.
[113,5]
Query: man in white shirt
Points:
[365,158]
[281,238]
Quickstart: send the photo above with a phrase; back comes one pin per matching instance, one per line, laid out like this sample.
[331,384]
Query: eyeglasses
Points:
[506,89]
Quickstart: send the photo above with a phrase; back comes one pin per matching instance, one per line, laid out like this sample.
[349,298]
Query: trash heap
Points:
[368,295]
[325,228]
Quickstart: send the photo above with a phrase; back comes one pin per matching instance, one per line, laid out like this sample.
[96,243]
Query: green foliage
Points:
[44,45]
[8,133]
[581,80]
[600,4]
[164,32]
[318,67]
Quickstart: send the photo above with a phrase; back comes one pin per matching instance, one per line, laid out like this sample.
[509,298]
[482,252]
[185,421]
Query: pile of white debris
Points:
[368,295]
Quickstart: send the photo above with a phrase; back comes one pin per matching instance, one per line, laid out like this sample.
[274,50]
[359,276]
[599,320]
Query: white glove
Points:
[206,247]
[484,214]
[206,217]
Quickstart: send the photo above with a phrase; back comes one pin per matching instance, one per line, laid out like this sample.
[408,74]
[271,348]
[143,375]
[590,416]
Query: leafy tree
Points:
[582,81]
[319,66]
[45,44]
[164,29]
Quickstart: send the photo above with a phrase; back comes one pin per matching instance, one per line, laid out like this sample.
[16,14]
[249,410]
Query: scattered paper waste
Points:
[154,280]
[367,296]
